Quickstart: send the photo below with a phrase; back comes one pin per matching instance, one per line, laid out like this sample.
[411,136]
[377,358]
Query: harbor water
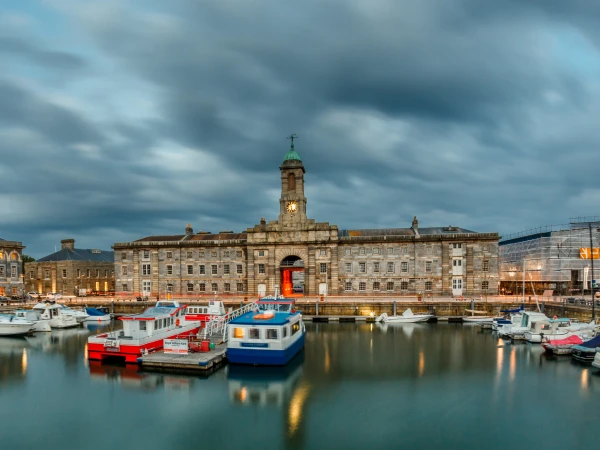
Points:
[355,386]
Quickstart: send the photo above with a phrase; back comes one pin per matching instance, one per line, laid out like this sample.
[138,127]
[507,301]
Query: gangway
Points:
[217,326]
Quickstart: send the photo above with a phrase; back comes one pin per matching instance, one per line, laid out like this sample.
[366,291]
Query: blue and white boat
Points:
[270,335]
[98,315]
[511,317]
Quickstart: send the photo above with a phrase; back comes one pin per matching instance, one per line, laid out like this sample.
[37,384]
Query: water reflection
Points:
[13,359]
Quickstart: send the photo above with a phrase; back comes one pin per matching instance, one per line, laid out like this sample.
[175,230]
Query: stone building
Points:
[11,277]
[310,258]
[71,269]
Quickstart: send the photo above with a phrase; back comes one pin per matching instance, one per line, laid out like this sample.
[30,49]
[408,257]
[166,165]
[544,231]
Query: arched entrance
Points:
[292,276]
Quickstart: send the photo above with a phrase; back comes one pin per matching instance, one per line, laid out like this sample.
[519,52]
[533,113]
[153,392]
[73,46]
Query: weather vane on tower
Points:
[291,137]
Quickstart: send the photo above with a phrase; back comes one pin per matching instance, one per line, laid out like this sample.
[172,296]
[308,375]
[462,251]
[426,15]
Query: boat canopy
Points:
[592,343]
[94,312]
[511,311]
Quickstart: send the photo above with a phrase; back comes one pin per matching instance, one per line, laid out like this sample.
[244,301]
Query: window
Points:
[457,262]
[362,286]
[323,267]
[239,269]
[348,252]
[362,267]
[47,274]
[404,267]
[428,285]
[457,283]
[169,255]
[376,251]
[214,287]
[390,286]
[238,254]
[291,182]
[169,270]
[190,287]
[226,254]
[253,333]
[271,333]
[375,285]
[390,251]
[238,333]
[348,267]
[376,267]
[145,269]
[190,269]
[240,287]
[13,272]
[361,251]
[295,328]
[79,272]
[227,287]
[188,255]
[348,286]
[31,274]
[106,273]
[202,269]
[213,254]
[169,287]
[485,285]
[201,254]
[390,267]
[404,250]
[486,265]
[97,273]
[88,273]
[261,253]
[486,248]
[124,270]
[261,268]
[146,254]
[323,252]
[124,287]
[14,257]
[123,256]
[213,269]
[404,285]
[202,287]
[456,245]
[427,266]
[226,269]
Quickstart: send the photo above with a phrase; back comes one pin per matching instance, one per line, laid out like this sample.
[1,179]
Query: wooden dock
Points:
[205,362]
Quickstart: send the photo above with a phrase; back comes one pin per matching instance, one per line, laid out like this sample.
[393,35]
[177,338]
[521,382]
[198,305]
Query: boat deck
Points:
[192,362]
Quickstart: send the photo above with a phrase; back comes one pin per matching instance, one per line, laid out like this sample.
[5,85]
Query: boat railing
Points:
[217,326]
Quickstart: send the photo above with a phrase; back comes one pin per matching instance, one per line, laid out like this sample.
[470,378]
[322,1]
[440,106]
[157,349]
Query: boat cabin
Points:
[49,310]
[530,318]
[264,329]
[205,313]
[155,319]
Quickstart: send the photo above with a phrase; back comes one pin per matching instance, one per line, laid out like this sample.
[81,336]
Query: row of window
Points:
[201,287]
[376,286]
[88,273]
[13,271]
[227,269]
[265,333]
[13,256]
[190,255]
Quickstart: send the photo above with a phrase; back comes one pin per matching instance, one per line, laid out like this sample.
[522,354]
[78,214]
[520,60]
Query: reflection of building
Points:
[129,376]
[13,360]
[554,258]
[71,269]
[11,280]
[307,257]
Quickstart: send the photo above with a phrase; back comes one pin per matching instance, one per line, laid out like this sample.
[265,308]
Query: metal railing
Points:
[218,325]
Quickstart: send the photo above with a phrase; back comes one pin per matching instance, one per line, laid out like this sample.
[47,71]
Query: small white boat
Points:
[406,317]
[79,315]
[11,326]
[31,315]
[56,315]
[596,362]
[477,319]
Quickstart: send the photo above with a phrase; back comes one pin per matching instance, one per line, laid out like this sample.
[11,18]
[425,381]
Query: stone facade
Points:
[11,276]
[305,257]
[70,270]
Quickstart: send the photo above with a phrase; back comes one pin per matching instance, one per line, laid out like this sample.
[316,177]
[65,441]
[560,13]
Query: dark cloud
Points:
[471,113]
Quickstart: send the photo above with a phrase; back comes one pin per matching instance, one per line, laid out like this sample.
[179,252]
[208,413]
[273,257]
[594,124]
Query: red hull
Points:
[131,353]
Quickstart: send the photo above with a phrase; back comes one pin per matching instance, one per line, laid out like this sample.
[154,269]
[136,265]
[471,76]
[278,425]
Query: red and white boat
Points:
[205,314]
[143,333]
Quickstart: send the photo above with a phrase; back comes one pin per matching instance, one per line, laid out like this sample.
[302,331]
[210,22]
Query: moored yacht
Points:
[56,316]
[11,326]
[32,315]
[79,315]
[205,314]
[143,333]
[272,334]
[98,315]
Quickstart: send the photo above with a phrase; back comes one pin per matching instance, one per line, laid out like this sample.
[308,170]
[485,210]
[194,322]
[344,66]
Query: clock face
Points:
[292,207]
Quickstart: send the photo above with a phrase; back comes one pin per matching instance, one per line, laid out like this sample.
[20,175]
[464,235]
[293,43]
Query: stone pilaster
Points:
[469,273]
[136,271]
[335,271]
[446,270]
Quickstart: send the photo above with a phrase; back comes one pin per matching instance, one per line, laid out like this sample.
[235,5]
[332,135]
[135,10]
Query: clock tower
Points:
[292,203]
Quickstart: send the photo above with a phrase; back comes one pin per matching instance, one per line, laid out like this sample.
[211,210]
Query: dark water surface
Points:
[355,387]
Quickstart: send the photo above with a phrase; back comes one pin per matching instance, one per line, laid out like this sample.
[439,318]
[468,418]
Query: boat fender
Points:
[555,317]
[177,322]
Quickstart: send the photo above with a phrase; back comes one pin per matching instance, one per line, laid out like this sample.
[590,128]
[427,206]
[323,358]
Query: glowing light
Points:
[243,394]
[513,364]
[327,360]
[421,363]
[24,362]
[585,379]
[371,314]
[296,407]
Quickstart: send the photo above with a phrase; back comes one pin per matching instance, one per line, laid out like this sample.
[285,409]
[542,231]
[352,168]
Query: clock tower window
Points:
[291,182]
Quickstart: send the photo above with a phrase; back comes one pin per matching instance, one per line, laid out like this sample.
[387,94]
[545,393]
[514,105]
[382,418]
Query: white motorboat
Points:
[57,316]
[79,315]
[406,317]
[31,315]
[477,319]
[11,326]
[563,328]
[531,321]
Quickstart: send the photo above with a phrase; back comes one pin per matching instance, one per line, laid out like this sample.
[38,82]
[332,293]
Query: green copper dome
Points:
[292,155]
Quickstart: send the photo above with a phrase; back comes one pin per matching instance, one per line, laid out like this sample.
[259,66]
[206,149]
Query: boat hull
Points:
[42,326]
[15,329]
[413,319]
[98,319]
[261,357]
[473,319]
[583,354]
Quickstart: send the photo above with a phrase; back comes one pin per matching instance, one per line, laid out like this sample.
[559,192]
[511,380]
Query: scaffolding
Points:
[551,258]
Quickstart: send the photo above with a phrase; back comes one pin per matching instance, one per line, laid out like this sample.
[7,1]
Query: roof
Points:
[404,231]
[195,237]
[152,313]
[292,155]
[279,318]
[80,254]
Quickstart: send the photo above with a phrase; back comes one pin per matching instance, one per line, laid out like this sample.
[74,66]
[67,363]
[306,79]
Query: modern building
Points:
[555,258]
[309,258]
[70,270]
[11,276]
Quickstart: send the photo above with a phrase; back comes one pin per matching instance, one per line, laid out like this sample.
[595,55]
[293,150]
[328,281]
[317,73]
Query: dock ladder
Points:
[217,326]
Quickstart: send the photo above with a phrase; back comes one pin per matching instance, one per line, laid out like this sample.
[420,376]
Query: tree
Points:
[25,259]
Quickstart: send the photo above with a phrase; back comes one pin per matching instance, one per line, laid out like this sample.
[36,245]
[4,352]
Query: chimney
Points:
[263,221]
[415,225]
[68,244]
[189,230]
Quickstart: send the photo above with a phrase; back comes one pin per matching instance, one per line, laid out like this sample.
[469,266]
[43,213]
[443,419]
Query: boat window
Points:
[156,325]
[285,331]
[295,328]
[271,333]
[238,333]
[142,325]
[253,333]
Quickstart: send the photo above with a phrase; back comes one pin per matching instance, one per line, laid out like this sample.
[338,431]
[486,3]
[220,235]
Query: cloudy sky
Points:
[122,119]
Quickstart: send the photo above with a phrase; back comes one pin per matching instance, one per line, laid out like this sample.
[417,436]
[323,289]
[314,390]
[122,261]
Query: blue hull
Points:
[260,357]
